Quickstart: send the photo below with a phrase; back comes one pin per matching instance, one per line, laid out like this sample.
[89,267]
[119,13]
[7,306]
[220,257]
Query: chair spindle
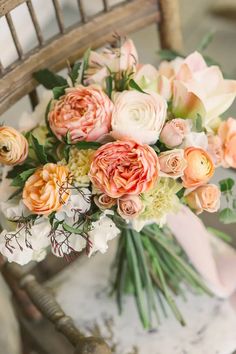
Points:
[106,5]
[82,11]
[59,15]
[35,21]
[14,35]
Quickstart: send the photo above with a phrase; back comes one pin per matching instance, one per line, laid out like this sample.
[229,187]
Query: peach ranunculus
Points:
[112,60]
[124,167]
[47,190]
[227,134]
[129,206]
[175,131]
[104,201]
[13,146]
[215,149]
[206,197]
[83,112]
[138,116]
[199,89]
[200,167]
[172,163]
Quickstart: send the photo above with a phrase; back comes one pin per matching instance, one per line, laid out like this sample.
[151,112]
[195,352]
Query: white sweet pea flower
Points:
[103,230]
[196,139]
[18,247]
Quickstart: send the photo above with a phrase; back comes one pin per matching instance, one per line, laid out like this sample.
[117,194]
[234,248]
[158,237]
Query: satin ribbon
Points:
[212,258]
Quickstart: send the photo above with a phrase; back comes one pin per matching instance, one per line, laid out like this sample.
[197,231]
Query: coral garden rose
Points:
[104,201]
[83,112]
[129,206]
[215,149]
[113,60]
[200,167]
[174,132]
[124,167]
[206,197]
[139,116]
[47,190]
[172,163]
[13,146]
[227,134]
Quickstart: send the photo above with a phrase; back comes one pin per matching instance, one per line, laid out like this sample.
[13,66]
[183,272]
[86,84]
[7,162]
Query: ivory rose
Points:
[200,167]
[172,163]
[129,206]
[47,190]
[174,132]
[83,112]
[227,134]
[112,60]
[206,197]
[124,167]
[104,201]
[13,146]
[215,149]
[139,116]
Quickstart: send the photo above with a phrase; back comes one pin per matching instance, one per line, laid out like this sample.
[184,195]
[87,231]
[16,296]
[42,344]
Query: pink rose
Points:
[111,60]
[124,167]
[215,149]
[83,112]
[174,132]
[129,206]
[227,134]
[138,116]
[172,163]
[206,197]
[104,201]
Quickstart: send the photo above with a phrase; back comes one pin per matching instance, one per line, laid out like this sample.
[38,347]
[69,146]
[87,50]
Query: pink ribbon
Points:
[212,258]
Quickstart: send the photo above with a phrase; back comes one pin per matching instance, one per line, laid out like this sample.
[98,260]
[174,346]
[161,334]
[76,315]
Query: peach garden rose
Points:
[13,146]
[138,116]
[206,197]
[129,206]
[83,112]
[104,201]
[200,167]
[227,134]
[47,190]
[124,167]
[172,163]
[174,132]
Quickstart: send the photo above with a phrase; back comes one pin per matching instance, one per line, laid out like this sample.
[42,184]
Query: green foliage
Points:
[109,85]
[74,73]
[18,169]
[85,64]
[135,86]
[227,216]
[226,185]
[198,124]
[48,79]
[222,235]
[83,145]
[206,40]
[168,54]
[59,91]
[39,150]
[72,229]
[20,179]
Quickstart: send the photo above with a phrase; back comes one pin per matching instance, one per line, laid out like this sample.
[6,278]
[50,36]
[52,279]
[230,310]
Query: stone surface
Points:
[82,290]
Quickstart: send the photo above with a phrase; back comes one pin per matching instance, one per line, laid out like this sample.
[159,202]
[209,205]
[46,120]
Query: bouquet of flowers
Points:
[121,148]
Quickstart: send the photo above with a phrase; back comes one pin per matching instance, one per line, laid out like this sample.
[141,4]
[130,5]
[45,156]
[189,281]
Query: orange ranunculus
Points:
[124,167]
[227,134]
[200,167]
[47,190]
[13,146]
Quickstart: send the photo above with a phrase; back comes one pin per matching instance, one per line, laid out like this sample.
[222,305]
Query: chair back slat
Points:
[59,15]
[35,22]
[93,31]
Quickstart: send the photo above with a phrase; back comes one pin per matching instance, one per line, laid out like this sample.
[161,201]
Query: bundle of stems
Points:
[151,265]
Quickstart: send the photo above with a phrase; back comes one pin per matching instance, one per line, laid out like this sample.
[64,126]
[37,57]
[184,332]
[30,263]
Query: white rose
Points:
[138,116]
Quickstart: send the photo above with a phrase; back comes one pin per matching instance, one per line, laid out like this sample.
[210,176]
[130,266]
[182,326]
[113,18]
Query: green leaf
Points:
[75,72]
[68,138]
[227,216]
[222,235]
[156,148]
[48,79]
[87,145]
[72,229]
[167,54]
[207,39]
[18,170]
[226,185]
[135,86]
[109,82]
[39,150]
[85,64]
[19,181]
[198,123]
[59,91]
[234,204]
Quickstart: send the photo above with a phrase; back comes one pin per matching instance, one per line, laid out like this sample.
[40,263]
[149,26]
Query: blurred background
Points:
[198,18]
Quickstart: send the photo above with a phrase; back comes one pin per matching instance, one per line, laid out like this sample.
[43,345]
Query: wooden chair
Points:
[16,81]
